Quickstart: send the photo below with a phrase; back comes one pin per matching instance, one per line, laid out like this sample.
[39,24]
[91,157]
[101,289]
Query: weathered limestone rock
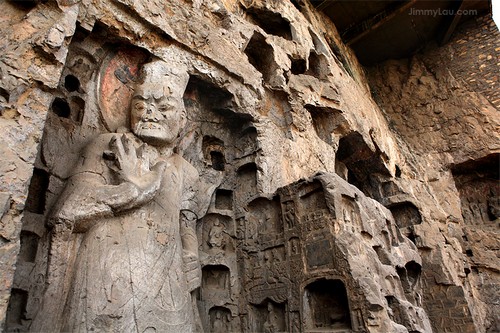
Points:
[221,165]
[335,258]
[450,124]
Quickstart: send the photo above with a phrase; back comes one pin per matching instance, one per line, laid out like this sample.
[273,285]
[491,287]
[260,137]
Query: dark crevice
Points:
[71,83]
[260,55]
[340,58]
[61,107]
[272,23]
[29,246]
[398,172]
[35,203]
[406,214]
[25,5]
[299,66]
[297,4]
[4,94]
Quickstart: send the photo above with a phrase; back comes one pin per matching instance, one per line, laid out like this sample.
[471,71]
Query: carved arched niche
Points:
[264,221]
[326,306]
[247,179]
[213,152]
[216,284]
[214,234]
[410,279]
[268,316]
[220,320]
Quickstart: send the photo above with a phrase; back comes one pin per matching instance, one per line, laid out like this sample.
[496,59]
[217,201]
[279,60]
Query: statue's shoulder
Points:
[187,168]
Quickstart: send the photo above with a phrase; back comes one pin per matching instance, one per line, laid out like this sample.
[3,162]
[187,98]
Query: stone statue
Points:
[131,200]
[271,324]
[289,214]
[218,325]
[216,235]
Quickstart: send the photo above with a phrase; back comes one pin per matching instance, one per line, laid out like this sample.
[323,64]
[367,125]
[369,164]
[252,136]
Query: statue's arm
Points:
[195,202]
[89,196]
[86,199]
[190,249]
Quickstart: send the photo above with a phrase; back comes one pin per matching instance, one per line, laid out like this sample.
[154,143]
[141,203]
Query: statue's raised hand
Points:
[130,165]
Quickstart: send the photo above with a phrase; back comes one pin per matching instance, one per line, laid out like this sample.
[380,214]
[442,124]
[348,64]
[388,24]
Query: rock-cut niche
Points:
[266,213]
[224,199]
[261,55]
[478,184]
[361,162]
[213,152]
[326,306]
[271,22]
[215,282]
[220,320]
[269,316]
[17,308]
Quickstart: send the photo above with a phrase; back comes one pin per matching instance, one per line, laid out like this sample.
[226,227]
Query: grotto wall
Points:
[296,202]
[443,104]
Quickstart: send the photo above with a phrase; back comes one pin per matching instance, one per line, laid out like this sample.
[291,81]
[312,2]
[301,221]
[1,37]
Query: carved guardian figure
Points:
[131,200]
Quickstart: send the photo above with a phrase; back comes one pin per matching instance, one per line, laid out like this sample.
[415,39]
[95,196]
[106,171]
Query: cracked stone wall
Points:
[443,105]
[328,211]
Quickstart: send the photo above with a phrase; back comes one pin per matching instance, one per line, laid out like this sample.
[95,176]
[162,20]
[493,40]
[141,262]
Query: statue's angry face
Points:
[156,116]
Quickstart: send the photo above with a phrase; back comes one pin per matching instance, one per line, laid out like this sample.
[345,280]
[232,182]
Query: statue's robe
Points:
[128,274]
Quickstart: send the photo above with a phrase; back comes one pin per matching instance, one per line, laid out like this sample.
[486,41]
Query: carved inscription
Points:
[319,253]
[316,220]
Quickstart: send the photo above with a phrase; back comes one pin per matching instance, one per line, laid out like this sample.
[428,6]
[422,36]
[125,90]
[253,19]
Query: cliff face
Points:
[336,200]
[443,104]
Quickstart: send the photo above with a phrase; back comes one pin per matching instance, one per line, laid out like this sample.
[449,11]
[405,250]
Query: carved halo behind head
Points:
[122,71]
[117,77]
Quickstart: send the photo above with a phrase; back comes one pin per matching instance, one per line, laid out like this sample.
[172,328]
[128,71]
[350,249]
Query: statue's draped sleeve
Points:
[195,202]
[89,194]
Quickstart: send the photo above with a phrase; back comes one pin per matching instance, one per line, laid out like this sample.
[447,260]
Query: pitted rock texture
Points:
[443,105]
